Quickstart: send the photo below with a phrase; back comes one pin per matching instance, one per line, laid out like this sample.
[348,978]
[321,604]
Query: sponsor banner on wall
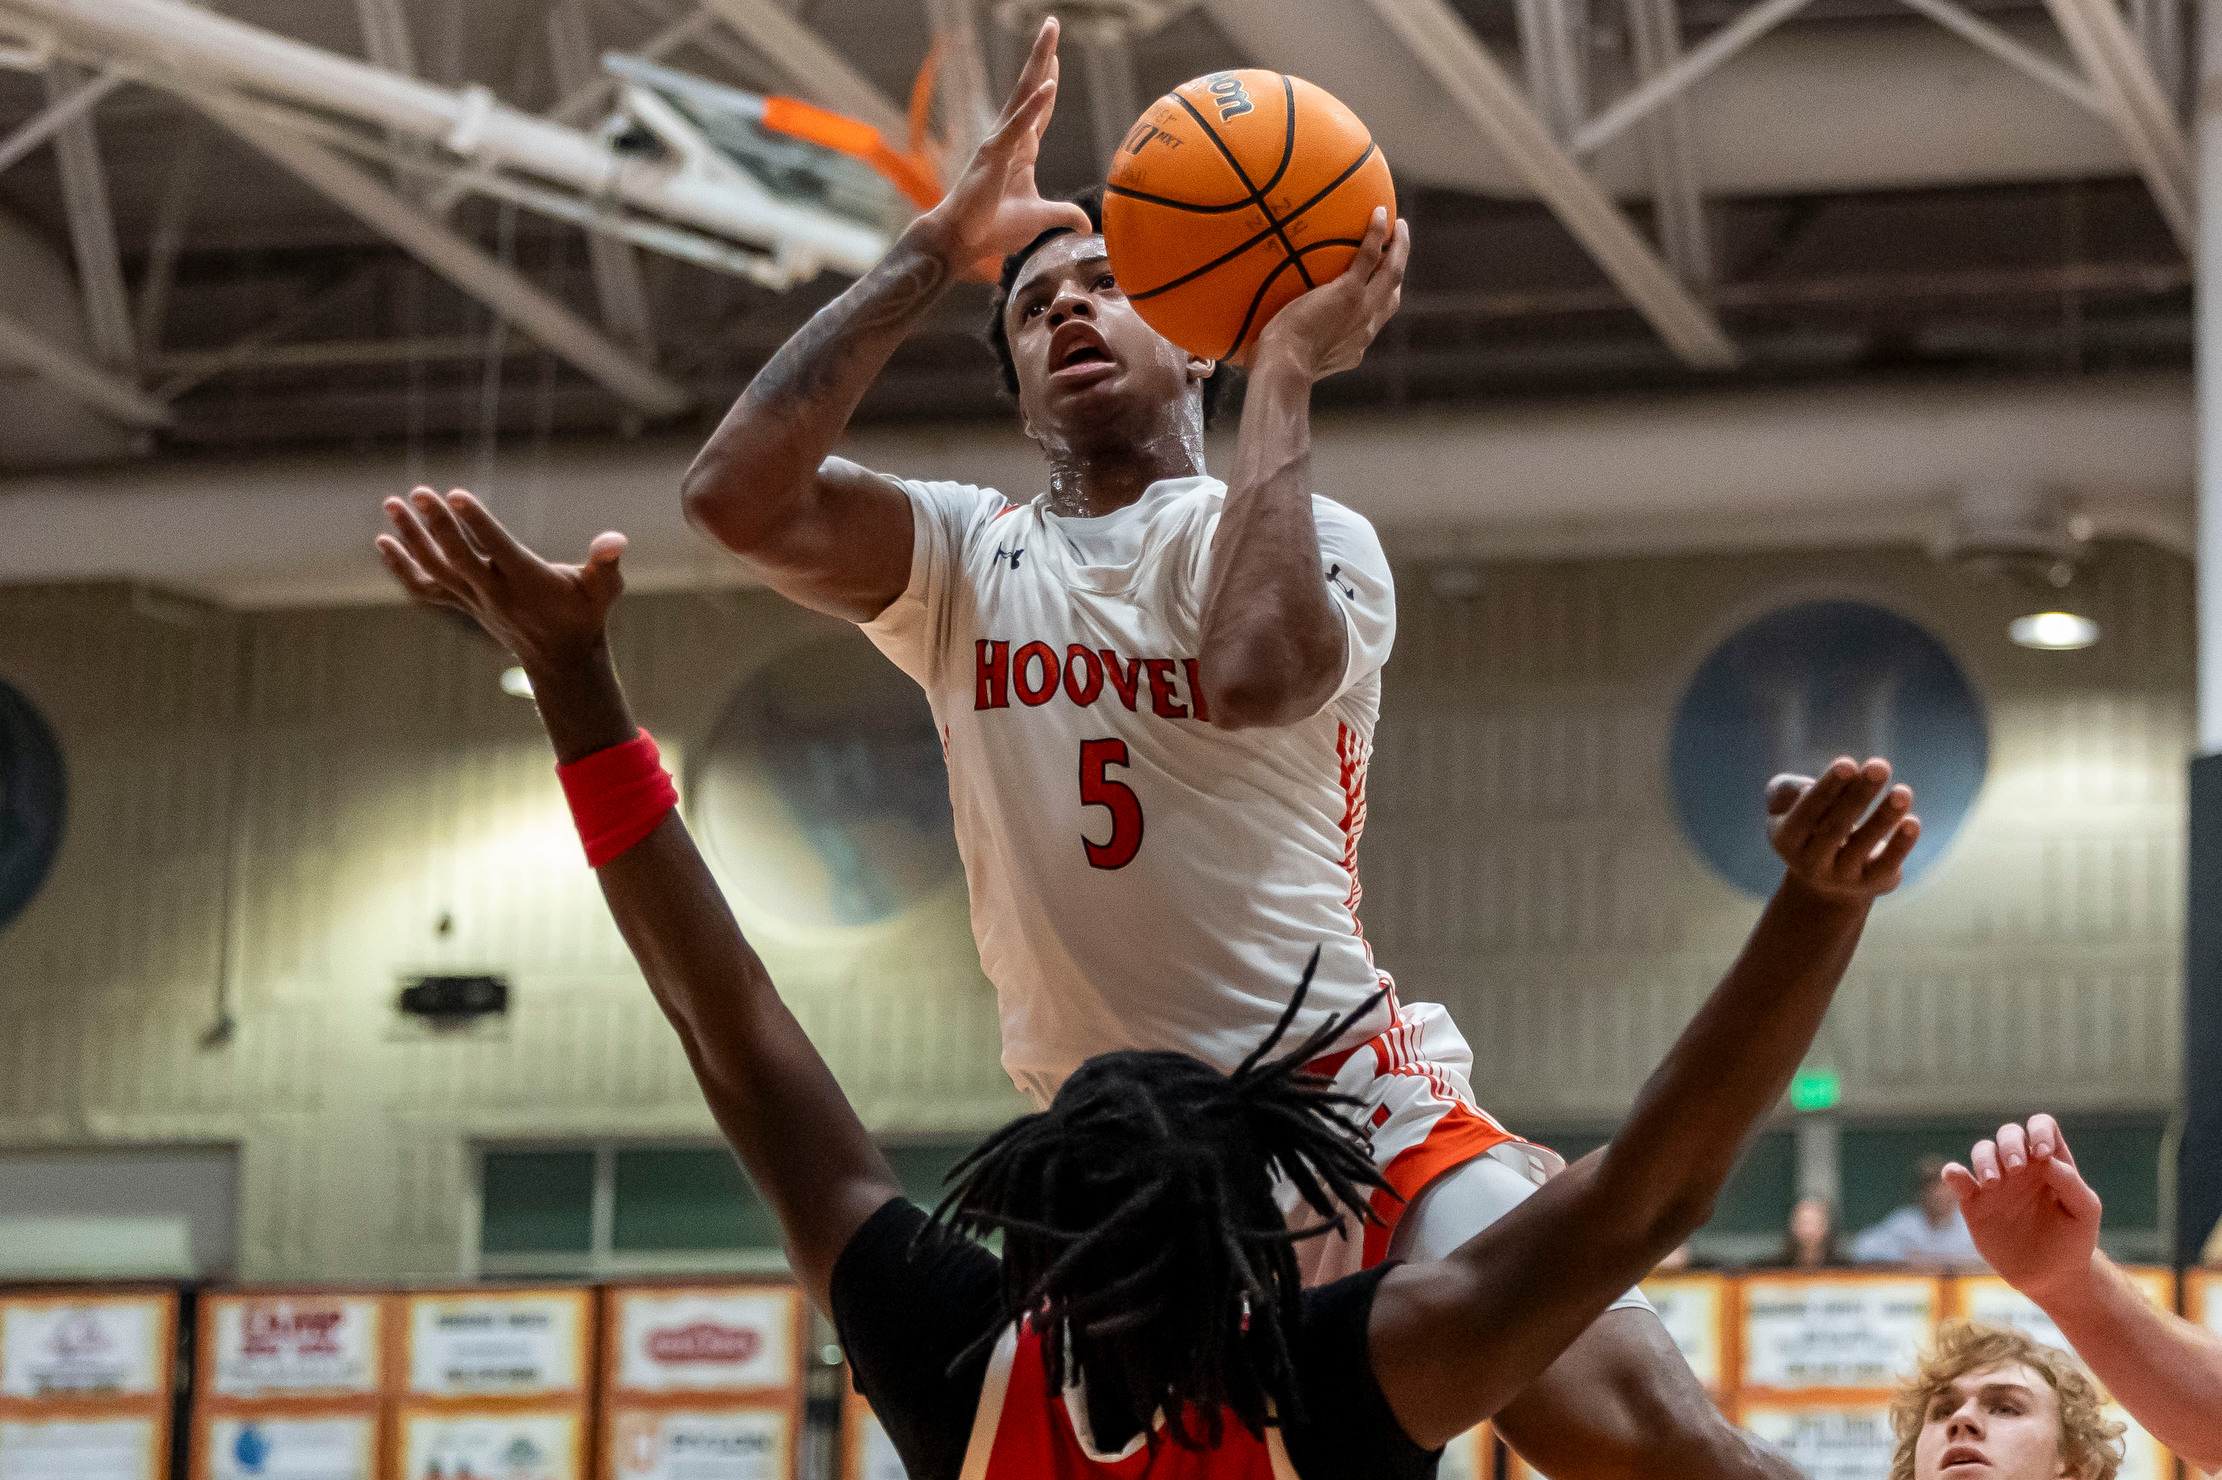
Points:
[529,1343]
[85,1346]
[512,1445]
[1694,1310]
[288,1345]
[82,1449]
[1836,1441]
[304,1447]
[737,1339]
[1992,1301]
[2203,1298]
[1842,1331]
[755,1443]
[868,1454]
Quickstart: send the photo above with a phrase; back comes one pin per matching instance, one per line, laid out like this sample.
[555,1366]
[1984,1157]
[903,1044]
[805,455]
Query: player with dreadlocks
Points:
[1146,1318]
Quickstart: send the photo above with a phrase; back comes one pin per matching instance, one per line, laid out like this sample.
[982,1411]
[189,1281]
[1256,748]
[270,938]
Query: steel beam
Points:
[2111,57]
[1678,79]
[48,121]
[553,325]
[1554,46]
[818,72]
[2024,59]
[1654,45]
[79,376]
[167,240]
[617,283]
[92,226]
[967,98]
[1493,102]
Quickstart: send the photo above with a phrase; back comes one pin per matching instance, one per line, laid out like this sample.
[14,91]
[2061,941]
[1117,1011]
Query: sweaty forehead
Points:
[1060,256]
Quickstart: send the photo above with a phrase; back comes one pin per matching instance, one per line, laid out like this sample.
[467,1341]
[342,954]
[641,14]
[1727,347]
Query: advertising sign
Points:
[519,1445]
[703,1444]
[330,1447]
[1838,1441]
[85,1346]
[868,1454]
[1694,1310]
[1470,1456]
[1835,1331]
[81,1448]
[740,1339]
[289,1345]
[529,1343]
[2203,1298]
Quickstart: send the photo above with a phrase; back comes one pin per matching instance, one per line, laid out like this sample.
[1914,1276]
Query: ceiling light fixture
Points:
[2053,632]
[515,681]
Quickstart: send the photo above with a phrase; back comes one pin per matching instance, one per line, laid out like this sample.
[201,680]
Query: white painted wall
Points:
[333,782]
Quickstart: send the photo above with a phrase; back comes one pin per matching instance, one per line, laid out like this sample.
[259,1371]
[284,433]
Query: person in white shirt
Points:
[1156,693]
[1927,1234]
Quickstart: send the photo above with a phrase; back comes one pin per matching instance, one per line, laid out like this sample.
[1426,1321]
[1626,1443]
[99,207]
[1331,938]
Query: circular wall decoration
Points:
[1801,686]
[822,792]
[33,796]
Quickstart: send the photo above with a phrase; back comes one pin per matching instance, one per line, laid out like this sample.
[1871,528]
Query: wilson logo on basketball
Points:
[705,1341]
[1233,100]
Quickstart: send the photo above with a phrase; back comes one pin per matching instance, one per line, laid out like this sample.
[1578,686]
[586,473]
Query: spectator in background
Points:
[1928,1234]
[1810,1239]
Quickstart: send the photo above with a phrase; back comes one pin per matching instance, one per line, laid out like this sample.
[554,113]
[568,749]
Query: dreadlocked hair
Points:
[999,337]
[1140,1233]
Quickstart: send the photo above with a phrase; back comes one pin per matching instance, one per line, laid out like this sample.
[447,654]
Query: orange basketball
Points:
[1233,194]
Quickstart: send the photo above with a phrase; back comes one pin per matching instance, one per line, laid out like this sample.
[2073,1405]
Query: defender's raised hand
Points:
[1816,827]
[995,208]
[451,552]
[2034,1219]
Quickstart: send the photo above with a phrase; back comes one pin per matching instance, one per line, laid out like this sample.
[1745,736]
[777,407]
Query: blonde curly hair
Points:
[2091,1446]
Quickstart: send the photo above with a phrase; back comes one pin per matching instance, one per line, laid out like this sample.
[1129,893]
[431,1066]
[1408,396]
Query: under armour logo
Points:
[1002,555]
[1334,573]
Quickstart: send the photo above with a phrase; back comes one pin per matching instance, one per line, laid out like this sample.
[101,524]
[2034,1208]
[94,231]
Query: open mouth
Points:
[1077,351]
[1961,1454]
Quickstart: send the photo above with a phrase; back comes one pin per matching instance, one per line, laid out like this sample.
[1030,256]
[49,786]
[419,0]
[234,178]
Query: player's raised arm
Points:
[2036,1222]
[1452,1340]
[771,1093]
[1274,645]
[826,532]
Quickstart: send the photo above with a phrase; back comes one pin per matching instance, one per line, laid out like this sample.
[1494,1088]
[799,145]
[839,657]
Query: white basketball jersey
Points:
[1140,878]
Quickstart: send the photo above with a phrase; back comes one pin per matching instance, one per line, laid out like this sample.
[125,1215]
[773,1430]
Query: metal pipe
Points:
[1678,79]
[79,376]
[1493,102]
[1976,31]
[546,320]
[42,125]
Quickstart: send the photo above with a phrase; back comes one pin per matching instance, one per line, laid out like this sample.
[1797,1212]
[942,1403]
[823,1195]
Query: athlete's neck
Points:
[1087,482]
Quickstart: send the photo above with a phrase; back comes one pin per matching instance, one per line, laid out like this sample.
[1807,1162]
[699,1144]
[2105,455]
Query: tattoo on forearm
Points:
[867,320]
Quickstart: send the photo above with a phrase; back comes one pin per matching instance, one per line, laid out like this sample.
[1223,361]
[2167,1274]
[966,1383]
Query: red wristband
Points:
[617,796]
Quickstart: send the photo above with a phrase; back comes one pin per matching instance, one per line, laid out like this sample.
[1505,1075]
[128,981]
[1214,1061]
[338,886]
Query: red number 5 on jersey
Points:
[1097,789]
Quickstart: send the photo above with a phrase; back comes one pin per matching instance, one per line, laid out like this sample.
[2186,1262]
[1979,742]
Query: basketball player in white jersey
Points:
[1156,693]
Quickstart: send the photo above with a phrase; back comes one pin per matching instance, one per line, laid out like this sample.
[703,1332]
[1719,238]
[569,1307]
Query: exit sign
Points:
[1816,1089]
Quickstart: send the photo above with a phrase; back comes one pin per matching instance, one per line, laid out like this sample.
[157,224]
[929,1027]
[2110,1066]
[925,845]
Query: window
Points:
[1801,686]
[1752,1210]
[2119,1155]
[603,1209]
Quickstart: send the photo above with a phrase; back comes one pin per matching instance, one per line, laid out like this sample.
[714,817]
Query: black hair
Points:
[1140,1231]
[999,338]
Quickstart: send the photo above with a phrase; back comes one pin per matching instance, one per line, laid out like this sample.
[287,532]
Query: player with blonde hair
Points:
[1988,1403]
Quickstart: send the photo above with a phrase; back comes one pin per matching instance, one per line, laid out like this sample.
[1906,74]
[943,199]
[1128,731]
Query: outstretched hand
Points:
[451,552]
[1328,329]
[995,208]
[1817,827]
[2033,1217]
